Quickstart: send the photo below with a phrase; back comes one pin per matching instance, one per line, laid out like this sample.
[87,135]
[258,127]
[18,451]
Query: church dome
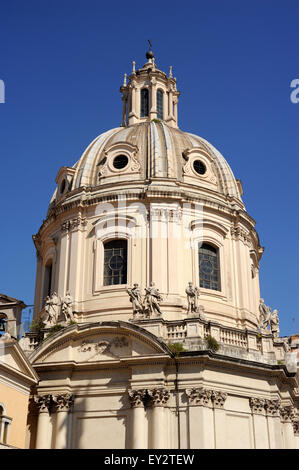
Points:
[145,201]
[161,151]
[153,149]
[149,148]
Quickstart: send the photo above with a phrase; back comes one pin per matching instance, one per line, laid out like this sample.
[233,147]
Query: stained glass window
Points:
[144,102]
[208,261]
[160,104]
[115,262]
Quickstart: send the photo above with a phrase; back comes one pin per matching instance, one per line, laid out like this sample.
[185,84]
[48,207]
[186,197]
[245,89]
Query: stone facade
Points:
[159,340]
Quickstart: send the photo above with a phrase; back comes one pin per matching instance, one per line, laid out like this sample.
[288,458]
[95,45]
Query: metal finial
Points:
[149,55]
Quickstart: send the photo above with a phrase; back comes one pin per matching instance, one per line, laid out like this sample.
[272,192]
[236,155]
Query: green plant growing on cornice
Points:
[176,348]
[212,343]
[54,330]
[156,120]
[36,326]
[72,322]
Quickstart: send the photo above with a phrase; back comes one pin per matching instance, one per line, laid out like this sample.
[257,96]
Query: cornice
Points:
[89,196]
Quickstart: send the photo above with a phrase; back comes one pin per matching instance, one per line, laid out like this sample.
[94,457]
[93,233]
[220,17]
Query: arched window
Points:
[47,280]
[160,104]
[3,320]
[5,422]
[115,262]
[208,262]
[144,102]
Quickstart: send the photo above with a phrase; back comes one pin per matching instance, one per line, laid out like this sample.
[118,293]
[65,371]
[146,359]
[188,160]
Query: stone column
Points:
[63,404]
[175,102]
[218,400]
[260,428]
[159,397]
[272,408]
[201,421]
[138,422]
[44,435]
[170,104]
[153,99]
[287,415]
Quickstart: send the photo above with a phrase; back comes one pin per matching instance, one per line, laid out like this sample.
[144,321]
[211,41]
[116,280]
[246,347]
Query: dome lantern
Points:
[149,95]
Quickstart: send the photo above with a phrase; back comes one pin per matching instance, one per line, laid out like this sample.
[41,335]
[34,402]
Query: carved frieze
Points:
[98,347]
[72,224]
[238,233]
[102,346]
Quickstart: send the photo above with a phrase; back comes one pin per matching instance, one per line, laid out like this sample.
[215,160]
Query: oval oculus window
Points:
[120,162]
[199,167]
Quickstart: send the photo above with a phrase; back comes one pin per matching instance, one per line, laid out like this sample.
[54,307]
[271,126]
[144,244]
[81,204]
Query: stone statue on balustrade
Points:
[136,299]
[274,323]
[152,300]
[192,297]
[147,306]
[52,310]
[67,307]
[265,314]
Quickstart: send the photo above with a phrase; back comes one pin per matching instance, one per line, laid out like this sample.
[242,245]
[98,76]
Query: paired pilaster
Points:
[206,417]
[287,414]
[273,423]
[47,405]
[138,423]
[43,437]
[156,399]
[62,405]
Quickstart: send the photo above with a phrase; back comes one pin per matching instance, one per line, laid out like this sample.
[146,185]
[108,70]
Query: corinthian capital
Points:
[272,407]
[137,397]
[199,396]
[287,413]
[218,398]
[159,396]
[63,402]
[257,405]
[43,402]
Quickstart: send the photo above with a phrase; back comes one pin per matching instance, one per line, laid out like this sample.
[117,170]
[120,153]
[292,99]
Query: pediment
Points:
[14,361]
[98,342]
[5,299]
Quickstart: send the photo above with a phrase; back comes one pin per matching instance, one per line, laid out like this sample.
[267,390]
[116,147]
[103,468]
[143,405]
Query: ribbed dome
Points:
[160,151]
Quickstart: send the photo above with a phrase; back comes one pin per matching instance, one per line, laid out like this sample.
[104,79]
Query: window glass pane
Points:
[208,262]
[144,103]
[160,104]
[115,262]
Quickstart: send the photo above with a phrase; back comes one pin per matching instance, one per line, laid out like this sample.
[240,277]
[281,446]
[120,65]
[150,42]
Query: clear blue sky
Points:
[63,63]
